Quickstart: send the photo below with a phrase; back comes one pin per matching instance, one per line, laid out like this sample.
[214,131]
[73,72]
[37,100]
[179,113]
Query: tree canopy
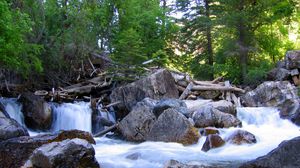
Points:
[238,39]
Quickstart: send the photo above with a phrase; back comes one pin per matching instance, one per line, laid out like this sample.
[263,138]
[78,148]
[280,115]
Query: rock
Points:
[134,156]
[275,94]
[137,124]
[278,74]
[10,128]
[209,94]
[208,116]
[37,112]
[99,123]
[209,130]
[176,164]
[194,105]
[172,126]
[164,104]
[211,142]
[14,152]
[3,111]
[239,137]
[68,153]
[224,106]
[286,155]
[158,85]
[292,59]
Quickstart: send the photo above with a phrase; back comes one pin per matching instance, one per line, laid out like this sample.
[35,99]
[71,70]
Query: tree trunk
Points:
[243,48]
[209,39]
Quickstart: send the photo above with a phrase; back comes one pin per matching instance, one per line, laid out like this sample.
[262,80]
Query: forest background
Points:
[49,40]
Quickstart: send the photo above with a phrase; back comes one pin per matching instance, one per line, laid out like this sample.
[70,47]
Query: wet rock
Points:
[208,116]
[176,164]
[292,59]
[15,151]
[275,94]
[239,137]
[286,155]
[137,124]
[99,123]
[10,128]
[158,85]
[211,142]
[68,153]
[37,112]
[172,126]
[134,156]
[278,74]
[208,131]
[164,104]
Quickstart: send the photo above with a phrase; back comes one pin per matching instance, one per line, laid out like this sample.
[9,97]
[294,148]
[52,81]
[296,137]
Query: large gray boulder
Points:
[286,155]
[281,94]
[208,116]
[158,85]
[10,128]
[37,112]
[292,59]
[141,124]
[278,74]
[15,151]
[68,153]
[172,126]
[165,104]
[138,123]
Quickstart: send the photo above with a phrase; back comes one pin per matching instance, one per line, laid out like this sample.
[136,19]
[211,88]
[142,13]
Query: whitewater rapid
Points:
[263,122]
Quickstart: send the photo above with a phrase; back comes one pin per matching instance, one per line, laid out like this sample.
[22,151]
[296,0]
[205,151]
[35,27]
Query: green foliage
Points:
[15,52]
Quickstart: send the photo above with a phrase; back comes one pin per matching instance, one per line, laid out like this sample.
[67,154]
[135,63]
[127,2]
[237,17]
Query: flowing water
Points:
[263,122]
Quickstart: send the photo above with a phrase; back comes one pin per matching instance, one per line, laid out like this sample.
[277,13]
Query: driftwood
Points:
[217,88]
[186,91]
[108,129]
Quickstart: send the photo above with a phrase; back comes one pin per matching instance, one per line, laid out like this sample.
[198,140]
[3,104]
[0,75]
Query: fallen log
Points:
[109,129]
[217,88]
[186,91]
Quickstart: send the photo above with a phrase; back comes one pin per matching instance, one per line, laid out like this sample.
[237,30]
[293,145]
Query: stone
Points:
[164,104]
[158,85]
[37,112]
[278,74]
[194,105]
[176,164]
[224,106]
[286,155]
[172,126]
[240,137]
[208,131]
[10,128]
[15,151]
[292,59]
[208,116]
[137,124]
[280,94]
[209,94]
[211,142]
[68,153]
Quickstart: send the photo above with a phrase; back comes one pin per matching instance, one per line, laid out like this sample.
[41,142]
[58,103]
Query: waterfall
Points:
[13,108]
[69,116]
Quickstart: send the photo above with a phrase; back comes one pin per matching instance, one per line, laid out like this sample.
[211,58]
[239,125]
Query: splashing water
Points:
[263,122]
